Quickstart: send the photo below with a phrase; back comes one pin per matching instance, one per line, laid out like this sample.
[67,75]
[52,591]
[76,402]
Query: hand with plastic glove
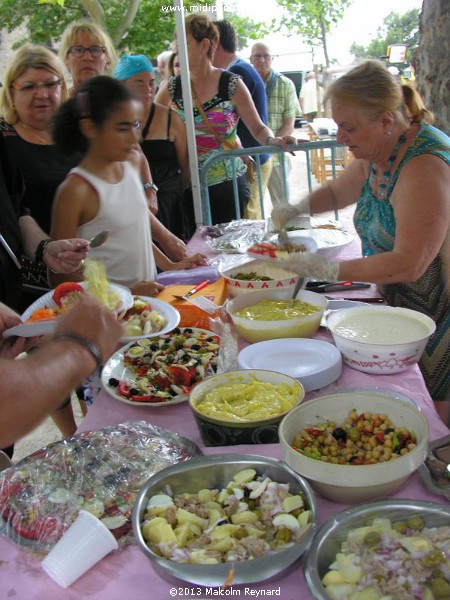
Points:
[312,266]
[283,213]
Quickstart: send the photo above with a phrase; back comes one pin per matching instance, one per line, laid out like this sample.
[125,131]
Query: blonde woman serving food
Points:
[400,182]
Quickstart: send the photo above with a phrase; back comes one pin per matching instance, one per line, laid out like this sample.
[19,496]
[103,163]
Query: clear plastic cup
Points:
[86,542]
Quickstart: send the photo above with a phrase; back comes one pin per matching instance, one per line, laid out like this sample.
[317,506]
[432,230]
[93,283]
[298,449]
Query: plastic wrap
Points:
[189,276]
[99,471]
[229,347]
[234,237]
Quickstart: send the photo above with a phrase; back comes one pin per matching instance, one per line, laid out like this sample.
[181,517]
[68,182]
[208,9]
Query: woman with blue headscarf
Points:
[164,145]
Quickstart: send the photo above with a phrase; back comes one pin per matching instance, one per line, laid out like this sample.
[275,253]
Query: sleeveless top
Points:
[223,118]
[375,223]
[42,167]
[127,253]
[162,157]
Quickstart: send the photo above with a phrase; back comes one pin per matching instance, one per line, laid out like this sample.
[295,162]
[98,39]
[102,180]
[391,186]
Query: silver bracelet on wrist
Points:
[82,341]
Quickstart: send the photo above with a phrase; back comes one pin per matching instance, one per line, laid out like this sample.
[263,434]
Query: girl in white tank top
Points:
[105,191]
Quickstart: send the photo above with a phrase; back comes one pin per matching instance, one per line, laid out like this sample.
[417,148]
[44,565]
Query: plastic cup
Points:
[85,543]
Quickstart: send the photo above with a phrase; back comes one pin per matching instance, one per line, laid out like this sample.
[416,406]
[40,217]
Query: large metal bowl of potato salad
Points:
[237,518]
[396,549]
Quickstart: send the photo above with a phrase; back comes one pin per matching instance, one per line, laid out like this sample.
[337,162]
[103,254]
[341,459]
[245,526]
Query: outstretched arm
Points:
[32,387]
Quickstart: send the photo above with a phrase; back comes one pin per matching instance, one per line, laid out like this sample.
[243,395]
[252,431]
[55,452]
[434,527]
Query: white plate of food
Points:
[329,242]
[122,295]
[273,250]
[161,371]
[147,318]
[315,363]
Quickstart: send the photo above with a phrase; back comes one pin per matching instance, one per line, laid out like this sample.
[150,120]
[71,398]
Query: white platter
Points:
[116,368]
[43,327]
[299,238]
[168,311]
[329,242]
[314,363]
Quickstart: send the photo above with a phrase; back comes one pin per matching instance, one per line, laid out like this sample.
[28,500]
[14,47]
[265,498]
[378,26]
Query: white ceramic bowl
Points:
[221,432]
[280,278]
[258,331]
[350,484]
[396,349]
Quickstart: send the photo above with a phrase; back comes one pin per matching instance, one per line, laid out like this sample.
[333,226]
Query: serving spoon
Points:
[99,239]
[299,285]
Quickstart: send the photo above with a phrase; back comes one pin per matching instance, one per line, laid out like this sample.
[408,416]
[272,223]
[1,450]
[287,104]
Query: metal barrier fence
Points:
[221,155]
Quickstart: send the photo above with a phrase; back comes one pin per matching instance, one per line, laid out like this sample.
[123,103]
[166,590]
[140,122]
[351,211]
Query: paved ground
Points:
[47,432]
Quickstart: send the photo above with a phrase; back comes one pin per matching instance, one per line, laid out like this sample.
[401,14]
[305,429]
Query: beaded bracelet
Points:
[82,341]
[39,254]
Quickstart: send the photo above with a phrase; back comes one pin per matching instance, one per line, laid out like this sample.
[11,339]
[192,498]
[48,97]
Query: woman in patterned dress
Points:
[224,99]
[400,180]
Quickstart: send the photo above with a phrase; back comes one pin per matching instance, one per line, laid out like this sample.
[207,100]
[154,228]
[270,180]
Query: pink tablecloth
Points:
[129,574]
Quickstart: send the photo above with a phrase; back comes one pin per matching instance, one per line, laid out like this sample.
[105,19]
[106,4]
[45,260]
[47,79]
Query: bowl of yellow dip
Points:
[269,314]
[243,407]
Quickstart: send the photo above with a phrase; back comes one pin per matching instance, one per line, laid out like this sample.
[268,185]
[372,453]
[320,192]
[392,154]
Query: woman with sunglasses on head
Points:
[220,99]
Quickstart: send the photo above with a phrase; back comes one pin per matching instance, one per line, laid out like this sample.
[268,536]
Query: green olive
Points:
[400,526]
[283,535]
[372,538]
[436,573]
[433,559]
[440,587]
[416,523]
[354,434]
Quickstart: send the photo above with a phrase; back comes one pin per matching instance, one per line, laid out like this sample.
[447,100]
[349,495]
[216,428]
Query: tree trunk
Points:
[432,60]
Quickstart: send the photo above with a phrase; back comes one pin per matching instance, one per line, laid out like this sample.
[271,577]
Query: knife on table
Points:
[336,286]
[368,299]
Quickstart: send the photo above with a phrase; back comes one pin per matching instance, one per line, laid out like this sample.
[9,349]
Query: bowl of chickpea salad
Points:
[355,445]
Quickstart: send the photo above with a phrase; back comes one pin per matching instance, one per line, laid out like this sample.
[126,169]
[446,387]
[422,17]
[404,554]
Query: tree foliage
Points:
[149,32]
[312,19]
[396,29]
